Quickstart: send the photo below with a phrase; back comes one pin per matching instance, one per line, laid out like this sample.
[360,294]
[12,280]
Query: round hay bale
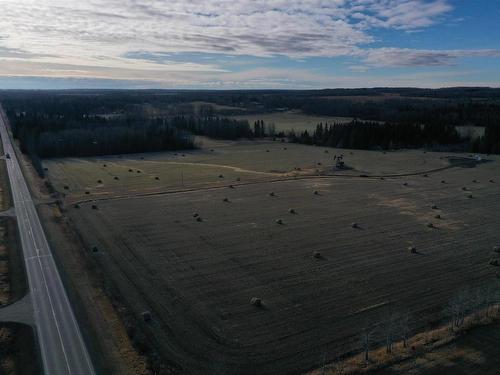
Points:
[443,181]
[138,171]
[130,170]
[117,178]
[496,249]
[279,221]
[104,165]
[292,211]
[430,225]
[354,225]
[316,254]
[99,181]
[157,178]
[412,249]
[199,219]
[316,192]
[256,301]
[221,176]
[271,194]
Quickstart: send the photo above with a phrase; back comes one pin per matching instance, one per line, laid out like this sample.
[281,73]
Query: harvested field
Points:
[292,120]
[198,277]
[247,161]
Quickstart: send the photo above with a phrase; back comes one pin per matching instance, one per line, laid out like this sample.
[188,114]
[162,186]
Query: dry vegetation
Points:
[194,252]
[292,120]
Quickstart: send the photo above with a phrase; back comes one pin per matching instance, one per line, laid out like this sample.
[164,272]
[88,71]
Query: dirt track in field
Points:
[197,278]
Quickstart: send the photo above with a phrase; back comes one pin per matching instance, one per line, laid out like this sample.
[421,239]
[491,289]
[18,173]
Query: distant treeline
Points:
[371,135]
[375,135]
[214,127]
[46,135]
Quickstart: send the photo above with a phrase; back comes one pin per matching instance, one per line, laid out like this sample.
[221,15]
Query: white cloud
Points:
[101,38]
[404,57]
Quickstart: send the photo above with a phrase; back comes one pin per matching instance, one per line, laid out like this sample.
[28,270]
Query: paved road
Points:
[61,344]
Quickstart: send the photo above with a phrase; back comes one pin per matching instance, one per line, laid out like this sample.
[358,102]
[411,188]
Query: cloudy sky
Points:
[248,43]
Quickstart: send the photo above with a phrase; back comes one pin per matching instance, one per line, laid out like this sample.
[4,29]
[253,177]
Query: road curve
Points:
[62,348]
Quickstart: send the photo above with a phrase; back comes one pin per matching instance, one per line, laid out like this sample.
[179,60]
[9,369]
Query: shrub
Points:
[94,207]
[292,211]
[271,194]
[412,249]
[279,221]
[99,181]
[316,254]
[355,225]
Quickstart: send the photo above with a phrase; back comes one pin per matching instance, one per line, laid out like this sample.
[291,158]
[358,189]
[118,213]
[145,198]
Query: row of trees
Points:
[374,135]
[469,305]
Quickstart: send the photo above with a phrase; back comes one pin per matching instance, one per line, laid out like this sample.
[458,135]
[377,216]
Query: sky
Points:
[248,44]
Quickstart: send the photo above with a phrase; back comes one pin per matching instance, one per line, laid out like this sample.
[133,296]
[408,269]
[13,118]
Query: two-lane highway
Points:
[63,350]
